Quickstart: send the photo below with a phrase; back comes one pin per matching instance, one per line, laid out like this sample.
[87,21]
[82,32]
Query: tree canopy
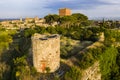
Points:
[80,16]
[51,18]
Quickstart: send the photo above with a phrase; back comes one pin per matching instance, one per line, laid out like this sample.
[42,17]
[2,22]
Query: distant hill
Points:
[5,19]
[8,19]
[105,18]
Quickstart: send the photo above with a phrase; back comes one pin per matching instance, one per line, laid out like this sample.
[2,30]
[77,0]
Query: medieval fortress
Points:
[46,52]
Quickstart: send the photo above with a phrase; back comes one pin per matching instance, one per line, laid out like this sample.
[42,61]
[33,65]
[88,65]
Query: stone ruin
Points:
[46,52]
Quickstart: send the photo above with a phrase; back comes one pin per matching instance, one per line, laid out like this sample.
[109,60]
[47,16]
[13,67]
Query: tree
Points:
[73,74]
[51,18]
[29,32]
[21,70]
[86,60]
[108,62]
[51,30]
[80,17]
[67,20]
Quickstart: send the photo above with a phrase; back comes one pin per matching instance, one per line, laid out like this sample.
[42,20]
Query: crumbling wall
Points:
[92,73]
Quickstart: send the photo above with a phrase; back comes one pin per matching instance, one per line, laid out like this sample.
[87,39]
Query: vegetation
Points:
[16,63]
[77,19]
[108,55]
[112,37]
[110,24]
[52,18]
[108,65]
[5,40]
[73,74]
[72,32]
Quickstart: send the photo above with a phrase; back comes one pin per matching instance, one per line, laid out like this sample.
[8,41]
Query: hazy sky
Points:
[40,8]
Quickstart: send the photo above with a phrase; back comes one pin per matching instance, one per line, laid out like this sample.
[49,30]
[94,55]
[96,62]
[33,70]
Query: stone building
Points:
[46,52]
[64,12]
[29,20]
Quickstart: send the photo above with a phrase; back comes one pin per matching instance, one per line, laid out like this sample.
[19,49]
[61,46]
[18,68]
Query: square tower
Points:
[64,12]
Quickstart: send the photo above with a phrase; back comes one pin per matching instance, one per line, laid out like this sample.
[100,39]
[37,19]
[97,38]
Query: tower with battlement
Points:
[46,52]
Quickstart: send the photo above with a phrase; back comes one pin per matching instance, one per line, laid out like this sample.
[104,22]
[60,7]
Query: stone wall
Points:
[46,52]
[92,73]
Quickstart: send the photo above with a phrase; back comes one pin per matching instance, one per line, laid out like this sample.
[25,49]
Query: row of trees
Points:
[75,19]
[109,24]
[74,32]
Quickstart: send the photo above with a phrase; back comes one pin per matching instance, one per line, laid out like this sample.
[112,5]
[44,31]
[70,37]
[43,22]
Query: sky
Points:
[41,8]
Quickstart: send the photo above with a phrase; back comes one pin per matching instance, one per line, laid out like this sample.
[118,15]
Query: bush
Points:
[108,62]
[73,74]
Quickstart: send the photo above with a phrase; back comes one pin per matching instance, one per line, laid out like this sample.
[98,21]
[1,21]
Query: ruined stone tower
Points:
[46,52]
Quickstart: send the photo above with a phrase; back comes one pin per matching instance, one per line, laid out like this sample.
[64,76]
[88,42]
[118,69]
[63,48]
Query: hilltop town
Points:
[23,23]
[26,23]
[31,22]
[67,46]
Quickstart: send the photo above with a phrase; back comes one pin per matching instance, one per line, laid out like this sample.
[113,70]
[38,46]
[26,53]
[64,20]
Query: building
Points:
[64,12]
[29,20]
[21,20]
[46,52]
